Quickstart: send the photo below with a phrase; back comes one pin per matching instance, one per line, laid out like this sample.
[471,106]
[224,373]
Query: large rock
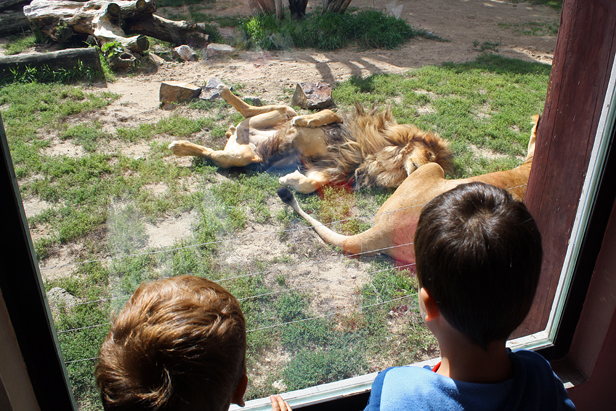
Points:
[313,96]
[215,50]
[210,91]
[176,92]
[185,53]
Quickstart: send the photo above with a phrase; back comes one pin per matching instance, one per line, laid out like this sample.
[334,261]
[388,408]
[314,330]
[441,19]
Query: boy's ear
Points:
[429,305]
[238,395]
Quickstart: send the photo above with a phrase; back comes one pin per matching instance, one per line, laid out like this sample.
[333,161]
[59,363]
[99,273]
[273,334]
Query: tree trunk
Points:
[176,32]
[262,6]
[63,59]
[279,10]
[9,4]
[298,8]
[13,22]
[335,6]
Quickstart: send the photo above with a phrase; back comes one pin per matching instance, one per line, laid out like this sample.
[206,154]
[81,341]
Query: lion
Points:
[396,221]
[368,148]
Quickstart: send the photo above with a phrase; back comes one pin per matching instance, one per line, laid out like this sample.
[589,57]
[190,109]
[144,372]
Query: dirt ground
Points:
[461,22]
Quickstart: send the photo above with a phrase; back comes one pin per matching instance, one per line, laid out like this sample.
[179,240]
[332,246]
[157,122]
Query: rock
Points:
[312,96]
[210,91]
[156,60]
[185,53]
[58,297]
[215,50]
[176,91]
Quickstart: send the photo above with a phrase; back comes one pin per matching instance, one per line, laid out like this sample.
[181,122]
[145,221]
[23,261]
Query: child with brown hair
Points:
[478,255]
[179,344]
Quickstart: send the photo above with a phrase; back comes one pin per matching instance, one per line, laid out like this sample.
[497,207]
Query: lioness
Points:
[370,148]
[396,221]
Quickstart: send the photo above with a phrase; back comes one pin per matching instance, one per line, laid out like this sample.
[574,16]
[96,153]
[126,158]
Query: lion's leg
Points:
[247,110]
[237,156]
[319,119]
[304,184]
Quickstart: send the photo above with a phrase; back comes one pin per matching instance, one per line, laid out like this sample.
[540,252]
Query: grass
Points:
[329,31]
[20,43]
[100,206]
[487,103]
[555,4]
[533,28]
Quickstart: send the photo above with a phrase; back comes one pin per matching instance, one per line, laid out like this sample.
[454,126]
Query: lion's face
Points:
[422,154]
[419,156]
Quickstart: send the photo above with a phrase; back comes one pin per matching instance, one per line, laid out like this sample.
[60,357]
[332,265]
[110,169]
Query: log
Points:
[13,22]
[176,32]
[109,21]
[63,59]
[9,4]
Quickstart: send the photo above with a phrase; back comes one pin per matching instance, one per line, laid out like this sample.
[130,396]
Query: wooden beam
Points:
[582,62]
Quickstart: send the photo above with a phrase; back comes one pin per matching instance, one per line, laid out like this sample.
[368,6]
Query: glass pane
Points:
[109,206]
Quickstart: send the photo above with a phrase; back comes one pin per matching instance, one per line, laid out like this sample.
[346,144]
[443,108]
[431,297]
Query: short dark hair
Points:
[178,344]
[478,254]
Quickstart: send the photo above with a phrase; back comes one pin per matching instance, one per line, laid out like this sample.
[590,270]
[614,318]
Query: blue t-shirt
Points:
[534,386]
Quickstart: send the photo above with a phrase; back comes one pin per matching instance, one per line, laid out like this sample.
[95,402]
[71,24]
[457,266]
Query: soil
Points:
[464,24]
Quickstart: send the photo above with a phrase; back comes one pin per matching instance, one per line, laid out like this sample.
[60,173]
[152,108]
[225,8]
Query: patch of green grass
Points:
[329,31]
[487,102]
[486,45]
[555,4]
[532,28]
[247,192]
[17,44]
[87,135]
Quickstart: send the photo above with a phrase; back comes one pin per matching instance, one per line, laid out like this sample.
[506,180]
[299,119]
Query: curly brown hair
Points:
[178,344]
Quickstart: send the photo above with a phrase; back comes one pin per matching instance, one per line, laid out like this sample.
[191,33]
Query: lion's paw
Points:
[292,179]
[300,121]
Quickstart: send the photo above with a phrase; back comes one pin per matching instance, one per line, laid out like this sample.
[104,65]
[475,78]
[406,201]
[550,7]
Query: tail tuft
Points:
[285,195]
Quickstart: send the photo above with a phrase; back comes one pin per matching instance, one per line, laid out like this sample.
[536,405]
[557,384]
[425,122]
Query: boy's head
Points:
[478,255]
[178,344]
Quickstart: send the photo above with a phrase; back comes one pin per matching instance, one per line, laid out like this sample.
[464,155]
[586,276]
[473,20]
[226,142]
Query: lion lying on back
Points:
[370,148]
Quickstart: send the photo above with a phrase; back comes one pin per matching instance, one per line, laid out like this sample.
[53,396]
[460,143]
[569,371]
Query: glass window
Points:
[109,206]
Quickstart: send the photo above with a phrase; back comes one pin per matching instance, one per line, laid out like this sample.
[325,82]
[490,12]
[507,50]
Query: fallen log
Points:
[110,21]
[175,32]
[13,22]
[10,4]
[63,59]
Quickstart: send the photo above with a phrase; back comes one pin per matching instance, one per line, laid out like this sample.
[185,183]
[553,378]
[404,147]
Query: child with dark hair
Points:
[478,255]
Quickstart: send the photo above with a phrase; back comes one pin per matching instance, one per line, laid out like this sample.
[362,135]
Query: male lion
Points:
[371,148]
[396,221]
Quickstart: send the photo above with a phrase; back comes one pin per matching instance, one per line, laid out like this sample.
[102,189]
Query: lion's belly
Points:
[309,142]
